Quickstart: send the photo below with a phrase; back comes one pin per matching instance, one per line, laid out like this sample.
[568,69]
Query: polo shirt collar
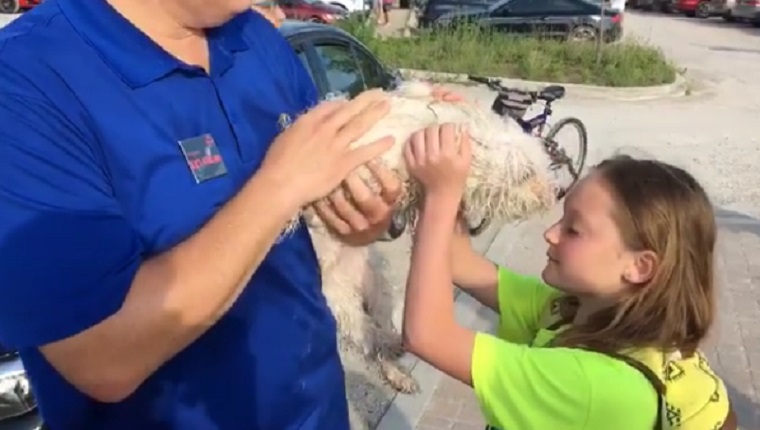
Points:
[130,52]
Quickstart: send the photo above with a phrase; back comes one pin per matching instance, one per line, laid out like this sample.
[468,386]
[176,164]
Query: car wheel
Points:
[582,33]
[728,17]
[340,6]
[9,6]
[690,13]
[703,10]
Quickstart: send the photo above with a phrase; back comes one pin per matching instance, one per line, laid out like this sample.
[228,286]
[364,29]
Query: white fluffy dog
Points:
[509,180]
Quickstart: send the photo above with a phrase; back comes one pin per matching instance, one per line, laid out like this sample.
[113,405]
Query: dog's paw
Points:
[394,348]
[398,378]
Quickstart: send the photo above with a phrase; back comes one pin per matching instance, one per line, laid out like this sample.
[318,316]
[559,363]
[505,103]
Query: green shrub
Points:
[469,49]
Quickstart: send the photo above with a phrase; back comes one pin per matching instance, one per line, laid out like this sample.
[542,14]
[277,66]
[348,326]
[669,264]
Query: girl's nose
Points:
[551,235]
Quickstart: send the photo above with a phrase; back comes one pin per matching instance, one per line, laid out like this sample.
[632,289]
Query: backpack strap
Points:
[653,379]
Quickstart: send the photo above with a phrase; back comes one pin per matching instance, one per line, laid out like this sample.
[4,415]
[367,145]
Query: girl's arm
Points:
[429,328]
[472,272]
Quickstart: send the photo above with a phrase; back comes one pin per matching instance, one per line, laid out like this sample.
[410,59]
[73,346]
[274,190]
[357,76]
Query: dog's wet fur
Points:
[509,181]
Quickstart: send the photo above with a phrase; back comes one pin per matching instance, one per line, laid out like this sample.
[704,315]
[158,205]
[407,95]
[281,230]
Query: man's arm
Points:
[71,269]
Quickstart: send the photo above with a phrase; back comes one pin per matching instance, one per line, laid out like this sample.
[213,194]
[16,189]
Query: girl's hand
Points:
[439,158]
[442,94]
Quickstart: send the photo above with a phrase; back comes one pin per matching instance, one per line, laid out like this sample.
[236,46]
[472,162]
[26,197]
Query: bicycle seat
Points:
[551,93]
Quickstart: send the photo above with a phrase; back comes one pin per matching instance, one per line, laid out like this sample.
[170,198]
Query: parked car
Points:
[17,403]
[695,8]
[352,6]
[724,9]
[311,10]
[338,63]
[747,10]
[573,20]
[16,6]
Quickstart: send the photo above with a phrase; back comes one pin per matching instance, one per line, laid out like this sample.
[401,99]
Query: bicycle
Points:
[511,103]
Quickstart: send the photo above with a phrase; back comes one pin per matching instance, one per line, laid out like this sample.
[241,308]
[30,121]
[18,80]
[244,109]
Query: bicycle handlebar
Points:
[495,84]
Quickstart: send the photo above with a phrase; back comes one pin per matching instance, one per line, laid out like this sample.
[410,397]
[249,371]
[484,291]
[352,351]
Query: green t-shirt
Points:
[522,384]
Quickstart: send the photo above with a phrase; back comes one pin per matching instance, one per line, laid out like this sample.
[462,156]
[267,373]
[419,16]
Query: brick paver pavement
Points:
[734,347]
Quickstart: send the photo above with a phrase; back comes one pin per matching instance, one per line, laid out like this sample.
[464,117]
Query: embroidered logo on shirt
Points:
[203,158]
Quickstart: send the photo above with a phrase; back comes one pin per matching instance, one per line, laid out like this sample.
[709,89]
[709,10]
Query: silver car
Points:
[747,10]
[724,9]
[16,398]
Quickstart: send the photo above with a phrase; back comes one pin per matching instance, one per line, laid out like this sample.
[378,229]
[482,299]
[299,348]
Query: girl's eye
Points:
[571,231]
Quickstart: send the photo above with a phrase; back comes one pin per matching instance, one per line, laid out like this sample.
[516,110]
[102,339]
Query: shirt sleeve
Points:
[67,255]
[519,387]
[522,303]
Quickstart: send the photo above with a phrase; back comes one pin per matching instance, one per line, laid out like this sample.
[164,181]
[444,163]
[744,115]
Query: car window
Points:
[374,75]
[305,61]
[530,7]
[559,6]
[515,7]
[343,73]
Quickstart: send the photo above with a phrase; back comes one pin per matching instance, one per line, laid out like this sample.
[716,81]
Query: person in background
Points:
[609,337]
[381,14]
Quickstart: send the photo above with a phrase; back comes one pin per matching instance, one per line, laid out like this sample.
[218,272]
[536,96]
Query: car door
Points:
[515,16]
[559,16]
[333,66]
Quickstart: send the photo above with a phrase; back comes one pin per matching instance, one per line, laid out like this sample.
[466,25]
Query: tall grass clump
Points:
[474,50]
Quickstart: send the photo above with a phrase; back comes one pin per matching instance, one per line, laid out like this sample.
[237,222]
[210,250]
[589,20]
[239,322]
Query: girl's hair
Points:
[661,208]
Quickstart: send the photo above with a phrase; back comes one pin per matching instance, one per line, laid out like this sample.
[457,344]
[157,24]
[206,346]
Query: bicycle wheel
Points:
[565,149]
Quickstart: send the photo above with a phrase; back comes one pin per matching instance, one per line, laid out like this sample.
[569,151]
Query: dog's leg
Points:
[397,377]
[379,298]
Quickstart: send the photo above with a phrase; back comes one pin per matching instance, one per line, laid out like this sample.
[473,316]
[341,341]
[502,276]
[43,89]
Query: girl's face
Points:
[586,255]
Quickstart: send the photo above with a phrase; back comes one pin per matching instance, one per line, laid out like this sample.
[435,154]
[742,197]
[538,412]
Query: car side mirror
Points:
[394,78]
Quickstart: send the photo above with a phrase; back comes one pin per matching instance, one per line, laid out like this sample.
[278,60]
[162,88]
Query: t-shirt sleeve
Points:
[67,255]
[519,387]
[522,302]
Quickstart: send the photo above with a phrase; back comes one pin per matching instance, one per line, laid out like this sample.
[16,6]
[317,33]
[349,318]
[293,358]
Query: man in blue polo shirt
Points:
[143,188]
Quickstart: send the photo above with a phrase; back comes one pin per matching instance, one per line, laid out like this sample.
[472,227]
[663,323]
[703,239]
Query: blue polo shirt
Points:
[93,182]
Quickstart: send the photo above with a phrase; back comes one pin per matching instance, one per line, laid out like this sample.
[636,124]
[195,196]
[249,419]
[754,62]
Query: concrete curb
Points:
[677,88]
[404,411]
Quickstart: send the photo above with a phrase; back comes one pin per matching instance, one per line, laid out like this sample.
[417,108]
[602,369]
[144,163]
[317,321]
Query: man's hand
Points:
[314,155]
[355,213]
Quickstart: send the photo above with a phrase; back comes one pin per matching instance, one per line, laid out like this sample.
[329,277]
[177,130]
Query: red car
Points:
[310,10]
[698,8]
[15,6]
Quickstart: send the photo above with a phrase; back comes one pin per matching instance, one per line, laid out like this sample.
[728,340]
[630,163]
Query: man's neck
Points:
[160,24]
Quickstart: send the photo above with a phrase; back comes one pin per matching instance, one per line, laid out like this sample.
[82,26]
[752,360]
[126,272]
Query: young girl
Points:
[608,339]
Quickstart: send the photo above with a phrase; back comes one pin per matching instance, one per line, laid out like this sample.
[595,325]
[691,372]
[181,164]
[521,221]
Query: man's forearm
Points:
[176,296]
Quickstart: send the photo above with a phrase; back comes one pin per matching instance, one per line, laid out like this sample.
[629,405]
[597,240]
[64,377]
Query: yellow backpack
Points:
[692,396]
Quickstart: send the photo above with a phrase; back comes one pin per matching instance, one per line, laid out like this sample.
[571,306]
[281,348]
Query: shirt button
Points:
[302,386]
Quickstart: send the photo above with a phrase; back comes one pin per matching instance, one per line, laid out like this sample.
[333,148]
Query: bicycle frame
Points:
[535,126]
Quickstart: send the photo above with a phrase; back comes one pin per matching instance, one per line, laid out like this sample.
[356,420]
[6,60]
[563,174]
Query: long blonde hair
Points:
[661,208]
